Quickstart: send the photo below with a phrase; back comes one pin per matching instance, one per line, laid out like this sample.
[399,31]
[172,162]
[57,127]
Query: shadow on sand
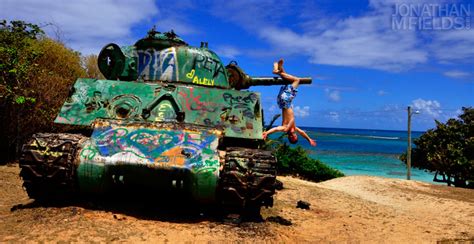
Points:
[166,207]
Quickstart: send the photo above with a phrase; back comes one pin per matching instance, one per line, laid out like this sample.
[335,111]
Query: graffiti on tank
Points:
[193,103]
[208,63]
[89,152]
[209,122]
[190,149]
[245,104]
[203,68]
[200,81]
[124,106]
[165,111]
[103,99]
[157,65]
[71,112]
[95,102]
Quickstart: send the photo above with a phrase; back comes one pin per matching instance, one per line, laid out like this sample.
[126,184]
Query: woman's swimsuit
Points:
[286,95]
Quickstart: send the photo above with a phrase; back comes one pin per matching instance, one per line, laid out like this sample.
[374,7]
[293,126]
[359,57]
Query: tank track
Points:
[47,165]
[247,179]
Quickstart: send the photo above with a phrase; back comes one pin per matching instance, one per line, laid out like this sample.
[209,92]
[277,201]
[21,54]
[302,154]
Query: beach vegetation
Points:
[448,150]
[36,73]
[294,160]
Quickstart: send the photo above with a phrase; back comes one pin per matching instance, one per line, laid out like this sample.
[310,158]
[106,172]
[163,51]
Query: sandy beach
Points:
[349,209]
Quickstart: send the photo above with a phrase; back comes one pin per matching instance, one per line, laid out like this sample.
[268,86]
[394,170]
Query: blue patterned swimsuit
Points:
[286,95]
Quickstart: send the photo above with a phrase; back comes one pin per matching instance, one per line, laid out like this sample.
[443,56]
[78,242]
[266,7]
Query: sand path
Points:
[349,209]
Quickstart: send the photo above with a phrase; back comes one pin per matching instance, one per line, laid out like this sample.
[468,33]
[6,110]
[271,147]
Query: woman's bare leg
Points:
[280,66]
[295,81]
[276,71]
[279,70]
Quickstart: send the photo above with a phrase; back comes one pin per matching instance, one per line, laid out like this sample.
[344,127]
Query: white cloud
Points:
[366,40]
[227,51]
[457,113]
[333,95]
[428,107]
[453,45]
[85,25]
[334,116]
[178,25]
[457,74]
[174,15]
[301,112]
[382,93]
[451,114]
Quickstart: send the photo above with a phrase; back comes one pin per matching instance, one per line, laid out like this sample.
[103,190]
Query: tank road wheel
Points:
[47,165]
[247,180]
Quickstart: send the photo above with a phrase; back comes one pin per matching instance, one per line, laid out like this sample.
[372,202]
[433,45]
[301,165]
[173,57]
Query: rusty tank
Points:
[169,117]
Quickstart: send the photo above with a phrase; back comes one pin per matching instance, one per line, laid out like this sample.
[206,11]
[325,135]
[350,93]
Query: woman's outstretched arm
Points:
[303,134]
[274,129]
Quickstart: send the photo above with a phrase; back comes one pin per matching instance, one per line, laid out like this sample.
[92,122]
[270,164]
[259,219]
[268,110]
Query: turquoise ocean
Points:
[363,152]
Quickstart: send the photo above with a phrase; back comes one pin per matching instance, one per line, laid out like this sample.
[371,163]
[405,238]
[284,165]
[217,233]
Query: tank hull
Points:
[187,163]
[159,156]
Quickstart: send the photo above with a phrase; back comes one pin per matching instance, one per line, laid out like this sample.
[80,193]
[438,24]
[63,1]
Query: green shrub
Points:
[36,74]
[295,161]
[448,150]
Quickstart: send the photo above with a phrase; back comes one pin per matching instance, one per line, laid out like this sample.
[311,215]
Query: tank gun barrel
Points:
[271,81]
[238,79]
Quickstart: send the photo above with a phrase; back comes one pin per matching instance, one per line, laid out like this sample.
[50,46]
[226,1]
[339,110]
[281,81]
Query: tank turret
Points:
[169,117]
[165,57]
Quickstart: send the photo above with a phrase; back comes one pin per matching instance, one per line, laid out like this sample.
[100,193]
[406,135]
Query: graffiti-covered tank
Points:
[168,118]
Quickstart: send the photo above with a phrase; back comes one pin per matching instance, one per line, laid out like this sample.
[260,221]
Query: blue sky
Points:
[365,70]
